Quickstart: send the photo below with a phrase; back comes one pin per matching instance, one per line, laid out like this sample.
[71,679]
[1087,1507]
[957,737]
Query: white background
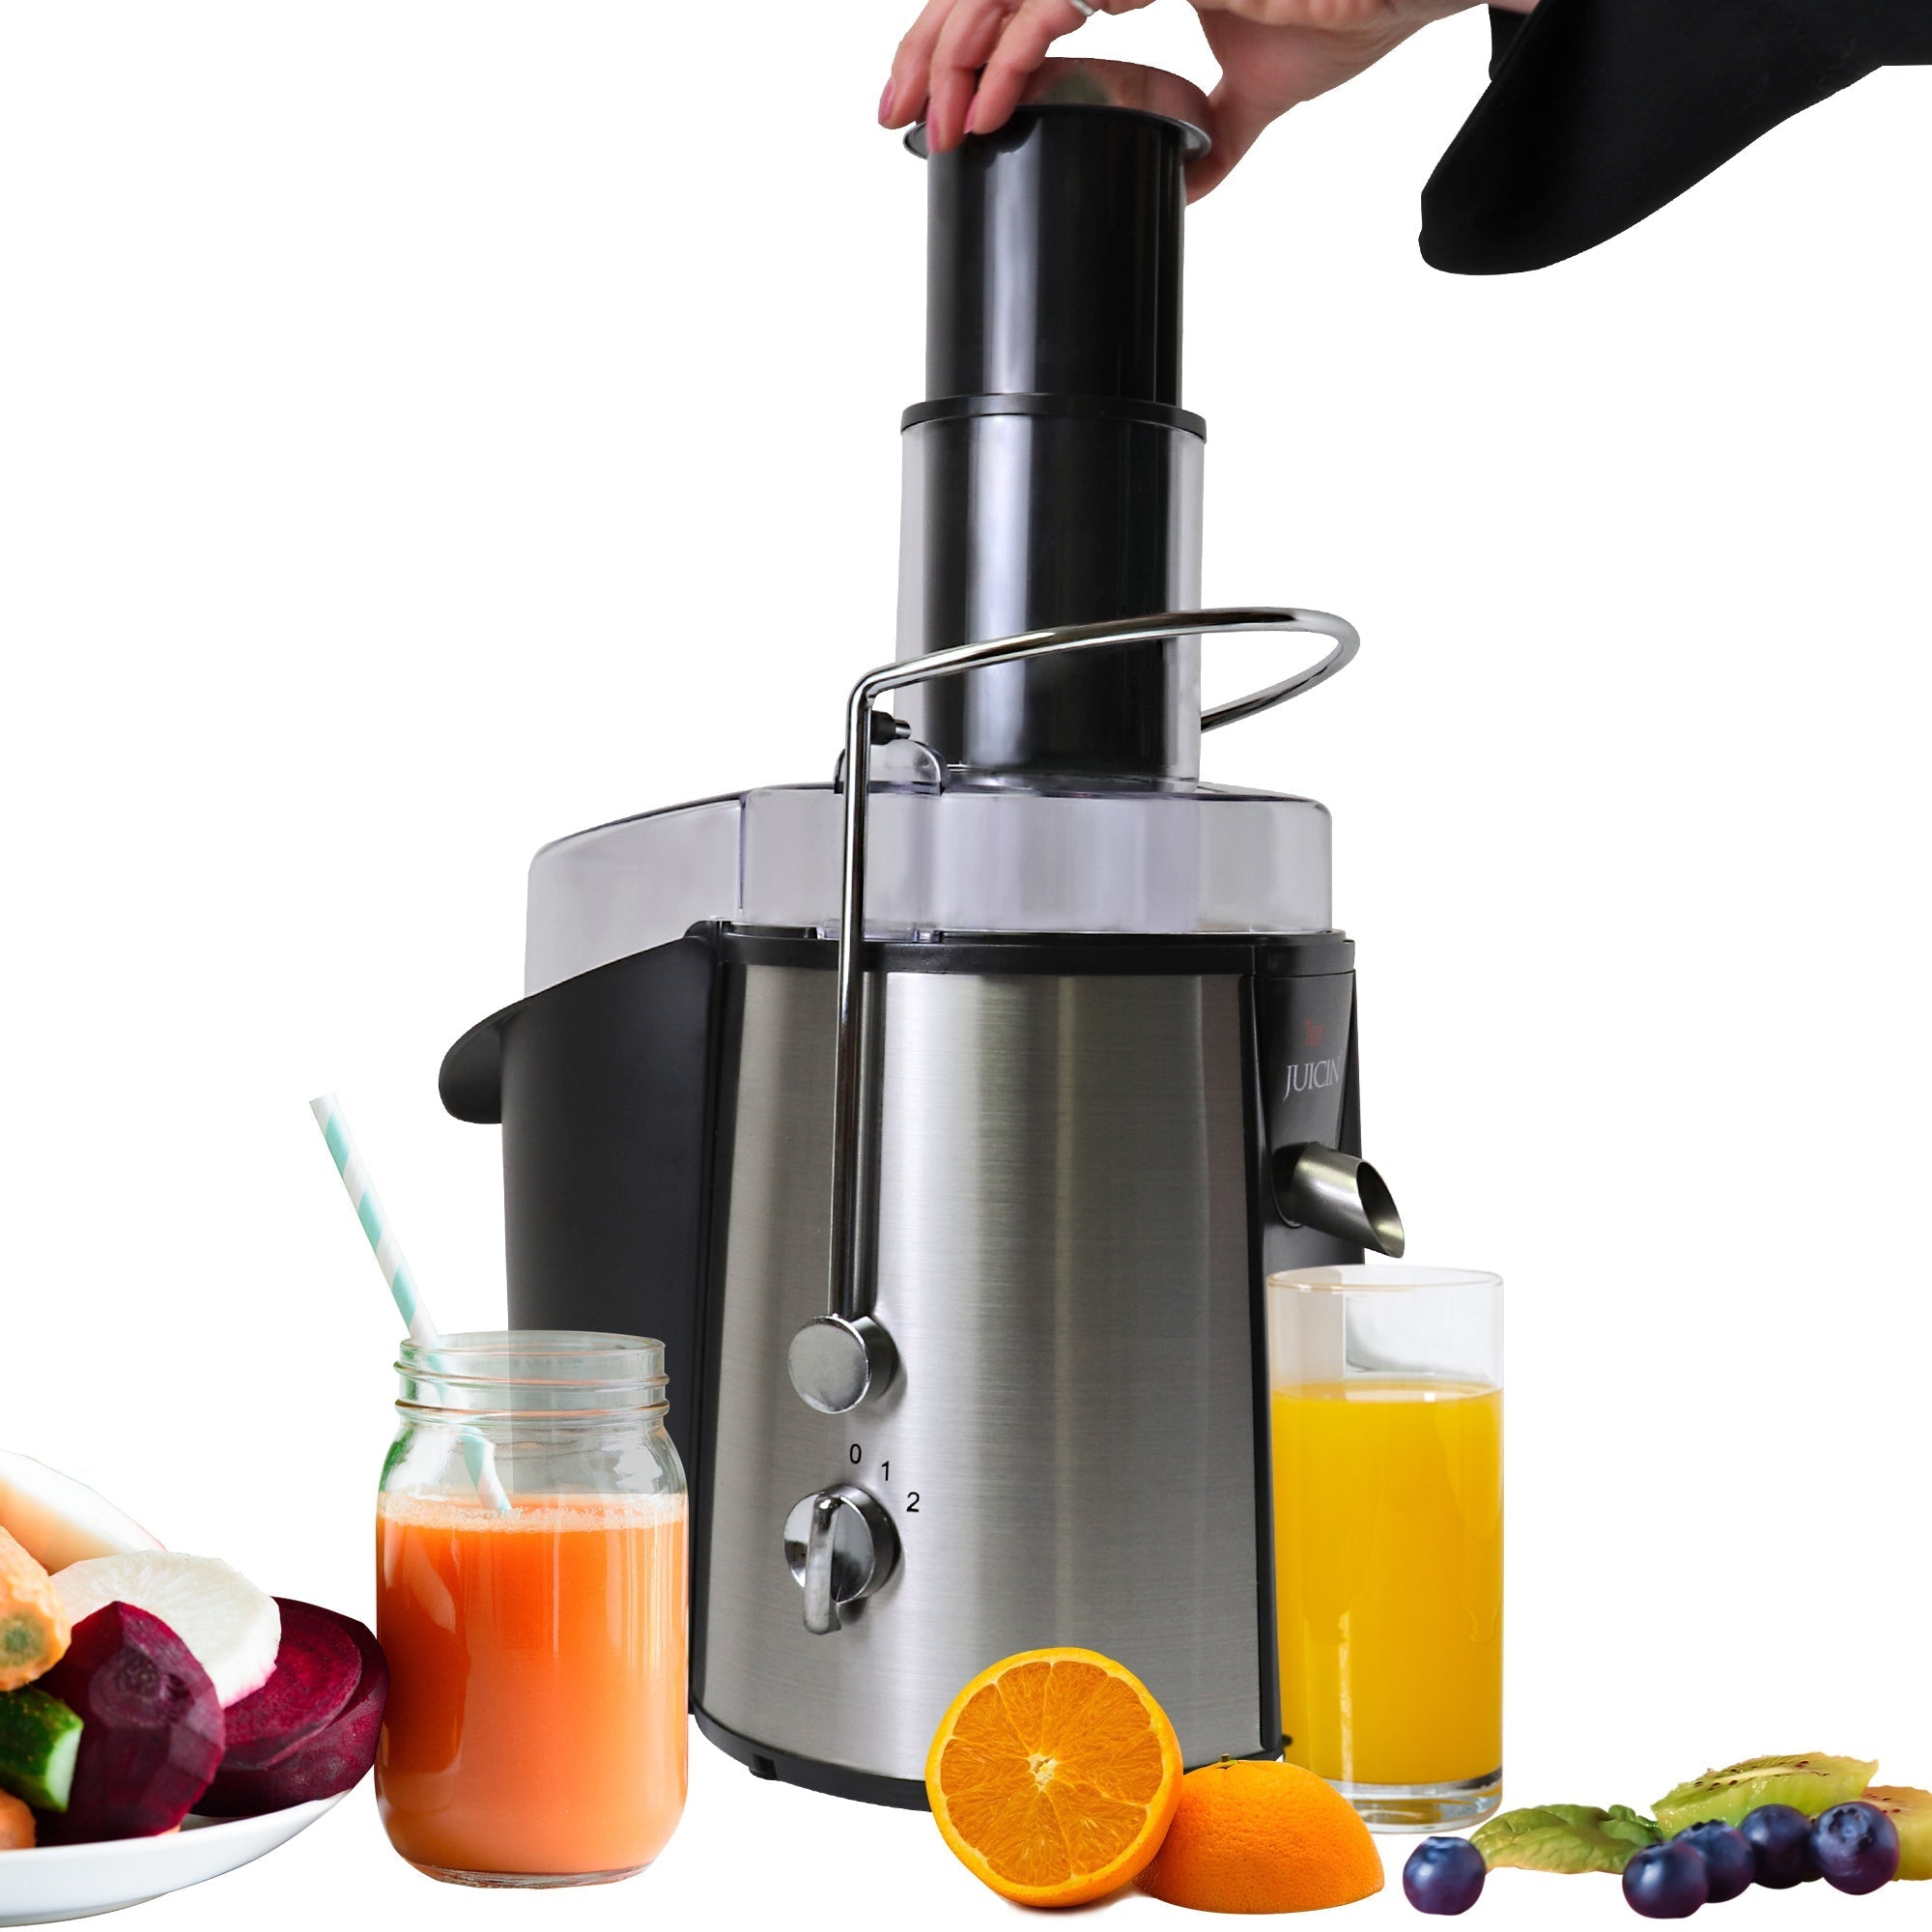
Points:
[427,429]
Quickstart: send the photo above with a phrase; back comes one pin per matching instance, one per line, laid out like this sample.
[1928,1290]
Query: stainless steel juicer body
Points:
[949,1148]
[1064,1266]
[1073,1206]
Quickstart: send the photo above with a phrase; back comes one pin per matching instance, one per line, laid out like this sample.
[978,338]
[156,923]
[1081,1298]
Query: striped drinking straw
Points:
[478,1457]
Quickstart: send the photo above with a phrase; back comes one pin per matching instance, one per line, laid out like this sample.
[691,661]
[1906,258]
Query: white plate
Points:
[55,1882]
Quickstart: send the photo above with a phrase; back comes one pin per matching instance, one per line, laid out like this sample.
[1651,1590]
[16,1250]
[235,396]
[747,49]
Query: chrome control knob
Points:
[841,1546]
[836,1363]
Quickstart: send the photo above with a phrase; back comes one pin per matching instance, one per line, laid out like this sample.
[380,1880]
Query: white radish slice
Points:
[232,1628]
[57,1521]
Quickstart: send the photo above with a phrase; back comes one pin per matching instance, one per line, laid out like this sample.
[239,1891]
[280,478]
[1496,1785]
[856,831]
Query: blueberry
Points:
[1780,1836]
[1666,1881]
[1728,1859]
[1856,1848]
[1445,1875]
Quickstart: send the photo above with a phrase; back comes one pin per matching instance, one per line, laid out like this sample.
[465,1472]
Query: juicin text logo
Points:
[1308,1077]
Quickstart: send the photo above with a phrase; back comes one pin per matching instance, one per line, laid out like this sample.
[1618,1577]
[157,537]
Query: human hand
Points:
[965,63]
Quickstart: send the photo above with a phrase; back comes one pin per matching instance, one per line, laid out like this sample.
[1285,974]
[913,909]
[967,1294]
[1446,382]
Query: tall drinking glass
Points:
[1388,1527]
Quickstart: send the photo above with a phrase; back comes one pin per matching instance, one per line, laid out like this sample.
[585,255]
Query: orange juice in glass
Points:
[1387,1465]
[530,1599]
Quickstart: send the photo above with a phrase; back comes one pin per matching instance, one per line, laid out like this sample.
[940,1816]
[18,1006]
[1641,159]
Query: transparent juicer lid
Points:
[933,859]
[1199,860]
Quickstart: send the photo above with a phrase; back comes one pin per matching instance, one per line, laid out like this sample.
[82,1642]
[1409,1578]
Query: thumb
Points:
[1235,122]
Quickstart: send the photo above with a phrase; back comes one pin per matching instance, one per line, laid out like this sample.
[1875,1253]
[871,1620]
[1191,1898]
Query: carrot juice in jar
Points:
[530,1599]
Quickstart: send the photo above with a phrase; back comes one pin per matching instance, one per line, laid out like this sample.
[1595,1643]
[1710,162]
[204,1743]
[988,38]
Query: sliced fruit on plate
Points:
[1054,1777]
[151,1733]
[1811,1782]
[232,1628]
[317,1669]
[38,1738]
[1910,1813]
[58,1520]
[33,1624]
[319,1763]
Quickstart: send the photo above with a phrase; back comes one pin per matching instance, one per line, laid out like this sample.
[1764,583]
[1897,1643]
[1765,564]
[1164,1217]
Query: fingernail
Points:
[886,103]
[972,114]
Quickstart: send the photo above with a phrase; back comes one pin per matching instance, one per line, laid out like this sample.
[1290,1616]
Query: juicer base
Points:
[836,1780]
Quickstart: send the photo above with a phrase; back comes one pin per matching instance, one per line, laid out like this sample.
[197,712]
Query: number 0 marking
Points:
[855,1452]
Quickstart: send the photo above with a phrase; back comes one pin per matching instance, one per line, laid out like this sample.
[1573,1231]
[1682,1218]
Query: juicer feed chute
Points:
[1051,475]
[945,1123]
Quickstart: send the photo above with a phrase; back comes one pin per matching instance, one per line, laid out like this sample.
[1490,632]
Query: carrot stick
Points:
[16,1824]
[34,1629]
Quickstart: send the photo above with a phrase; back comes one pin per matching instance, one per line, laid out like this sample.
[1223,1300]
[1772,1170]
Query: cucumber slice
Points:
[40,1738]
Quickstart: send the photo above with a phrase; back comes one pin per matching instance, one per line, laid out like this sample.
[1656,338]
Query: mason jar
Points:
[530,1569]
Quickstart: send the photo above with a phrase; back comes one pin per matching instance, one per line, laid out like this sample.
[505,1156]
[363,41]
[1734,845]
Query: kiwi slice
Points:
[1810,1784]
[1910,1813]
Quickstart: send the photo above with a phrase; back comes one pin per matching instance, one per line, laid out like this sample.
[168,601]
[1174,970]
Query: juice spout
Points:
[1338,1194]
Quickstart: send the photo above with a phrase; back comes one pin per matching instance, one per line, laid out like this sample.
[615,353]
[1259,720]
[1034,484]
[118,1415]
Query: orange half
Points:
[1054,1777]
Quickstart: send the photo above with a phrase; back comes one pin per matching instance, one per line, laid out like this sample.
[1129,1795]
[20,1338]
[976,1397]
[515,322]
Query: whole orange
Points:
[1263,1838]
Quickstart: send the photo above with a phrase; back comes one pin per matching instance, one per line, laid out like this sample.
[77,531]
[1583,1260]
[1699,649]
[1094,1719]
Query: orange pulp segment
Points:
[1054,1777]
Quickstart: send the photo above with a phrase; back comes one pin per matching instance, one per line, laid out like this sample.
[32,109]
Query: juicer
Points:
[944,1121]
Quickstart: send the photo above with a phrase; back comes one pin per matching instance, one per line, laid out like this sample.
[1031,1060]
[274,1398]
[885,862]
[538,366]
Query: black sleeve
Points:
[1599,111]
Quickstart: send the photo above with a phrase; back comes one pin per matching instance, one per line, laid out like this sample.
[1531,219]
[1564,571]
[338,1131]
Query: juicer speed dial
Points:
[841,1546]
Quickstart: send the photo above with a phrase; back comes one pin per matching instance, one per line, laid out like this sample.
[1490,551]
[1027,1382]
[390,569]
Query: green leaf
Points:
[1566,1838]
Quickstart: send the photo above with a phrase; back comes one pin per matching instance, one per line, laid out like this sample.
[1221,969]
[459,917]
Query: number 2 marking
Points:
[912,1502]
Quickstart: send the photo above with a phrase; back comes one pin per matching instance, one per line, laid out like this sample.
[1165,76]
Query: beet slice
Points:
[325,1762]
[152,1735]
[317,1669]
